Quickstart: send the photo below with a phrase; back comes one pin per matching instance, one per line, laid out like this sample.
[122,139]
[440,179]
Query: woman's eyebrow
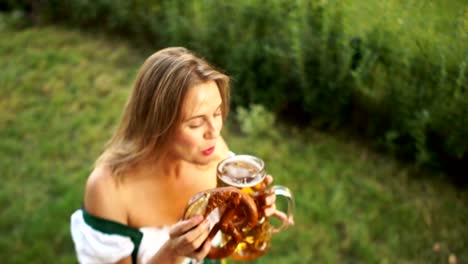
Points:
[194,117]
[201,116]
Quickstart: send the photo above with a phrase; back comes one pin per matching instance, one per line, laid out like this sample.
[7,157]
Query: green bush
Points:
[416,104]
[401,83]
[11,5]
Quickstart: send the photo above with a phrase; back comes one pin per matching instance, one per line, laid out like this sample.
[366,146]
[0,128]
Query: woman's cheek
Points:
[189,137]
[220,124]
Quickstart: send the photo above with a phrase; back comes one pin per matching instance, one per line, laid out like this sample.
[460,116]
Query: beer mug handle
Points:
[285,217]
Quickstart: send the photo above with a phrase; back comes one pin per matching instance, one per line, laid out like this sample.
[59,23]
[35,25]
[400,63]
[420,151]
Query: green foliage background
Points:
[61,92]
[60,98]
[393,72]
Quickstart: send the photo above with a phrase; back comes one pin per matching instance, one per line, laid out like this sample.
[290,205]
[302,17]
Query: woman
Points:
[165,150]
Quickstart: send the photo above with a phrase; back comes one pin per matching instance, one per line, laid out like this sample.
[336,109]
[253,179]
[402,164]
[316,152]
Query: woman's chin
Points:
[205,160]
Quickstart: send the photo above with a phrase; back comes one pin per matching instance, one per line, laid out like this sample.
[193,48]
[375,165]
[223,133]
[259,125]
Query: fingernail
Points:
[208,224]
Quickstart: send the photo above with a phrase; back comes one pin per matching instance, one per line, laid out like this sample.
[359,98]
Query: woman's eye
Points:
[196,125]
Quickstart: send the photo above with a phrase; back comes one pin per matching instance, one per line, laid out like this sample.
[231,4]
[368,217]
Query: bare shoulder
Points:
[103,197]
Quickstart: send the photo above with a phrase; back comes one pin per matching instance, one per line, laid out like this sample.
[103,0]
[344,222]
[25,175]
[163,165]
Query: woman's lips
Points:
[208,151]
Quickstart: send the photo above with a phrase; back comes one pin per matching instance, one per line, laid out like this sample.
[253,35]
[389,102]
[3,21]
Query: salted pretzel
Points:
[238,214]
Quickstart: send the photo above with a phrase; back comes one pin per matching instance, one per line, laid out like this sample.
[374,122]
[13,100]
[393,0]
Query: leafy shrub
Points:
[415,104]
[408,95]
[256,121]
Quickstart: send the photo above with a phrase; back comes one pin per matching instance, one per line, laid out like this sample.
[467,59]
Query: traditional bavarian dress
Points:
[99,241]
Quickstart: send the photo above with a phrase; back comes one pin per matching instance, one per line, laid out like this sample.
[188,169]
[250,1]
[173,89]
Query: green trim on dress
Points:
[211,261]
[114,228]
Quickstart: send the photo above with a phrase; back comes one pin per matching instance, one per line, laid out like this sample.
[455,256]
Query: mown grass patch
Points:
[354,206]
[61,93]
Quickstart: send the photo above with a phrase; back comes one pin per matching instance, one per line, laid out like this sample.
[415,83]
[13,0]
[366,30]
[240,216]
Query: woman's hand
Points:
[269,208]
[187,238]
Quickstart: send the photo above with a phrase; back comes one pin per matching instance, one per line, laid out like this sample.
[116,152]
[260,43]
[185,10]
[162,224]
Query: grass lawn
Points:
[61,93]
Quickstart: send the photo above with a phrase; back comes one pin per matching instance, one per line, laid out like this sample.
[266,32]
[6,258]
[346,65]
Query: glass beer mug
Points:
[247,173]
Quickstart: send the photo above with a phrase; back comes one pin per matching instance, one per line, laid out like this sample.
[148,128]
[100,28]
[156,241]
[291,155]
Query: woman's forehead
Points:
[201,98]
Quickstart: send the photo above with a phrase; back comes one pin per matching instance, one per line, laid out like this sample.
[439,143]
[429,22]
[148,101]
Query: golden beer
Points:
[248,174]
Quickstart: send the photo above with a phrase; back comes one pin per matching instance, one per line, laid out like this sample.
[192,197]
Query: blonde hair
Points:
[153,110]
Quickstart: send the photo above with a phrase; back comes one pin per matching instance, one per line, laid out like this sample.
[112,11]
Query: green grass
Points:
[61,93]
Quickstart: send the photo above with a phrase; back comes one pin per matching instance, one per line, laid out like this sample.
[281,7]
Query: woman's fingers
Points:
[283,217]
[189,242]
[268,179]
[270,199]
[268,203]
[270,211]
[201,253]
[185,225]
[193,239]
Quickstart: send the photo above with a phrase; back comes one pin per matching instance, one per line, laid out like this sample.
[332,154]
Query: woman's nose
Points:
[212,130]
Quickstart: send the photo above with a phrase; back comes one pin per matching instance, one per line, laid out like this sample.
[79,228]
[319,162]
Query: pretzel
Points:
[238,214]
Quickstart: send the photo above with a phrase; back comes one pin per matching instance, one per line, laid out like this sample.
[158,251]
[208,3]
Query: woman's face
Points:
[195,138]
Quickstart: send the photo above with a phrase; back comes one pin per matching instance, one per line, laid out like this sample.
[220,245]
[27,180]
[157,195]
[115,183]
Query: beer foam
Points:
[241,171]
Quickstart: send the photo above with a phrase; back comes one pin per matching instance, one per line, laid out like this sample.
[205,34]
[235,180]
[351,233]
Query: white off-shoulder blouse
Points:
[101,241]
